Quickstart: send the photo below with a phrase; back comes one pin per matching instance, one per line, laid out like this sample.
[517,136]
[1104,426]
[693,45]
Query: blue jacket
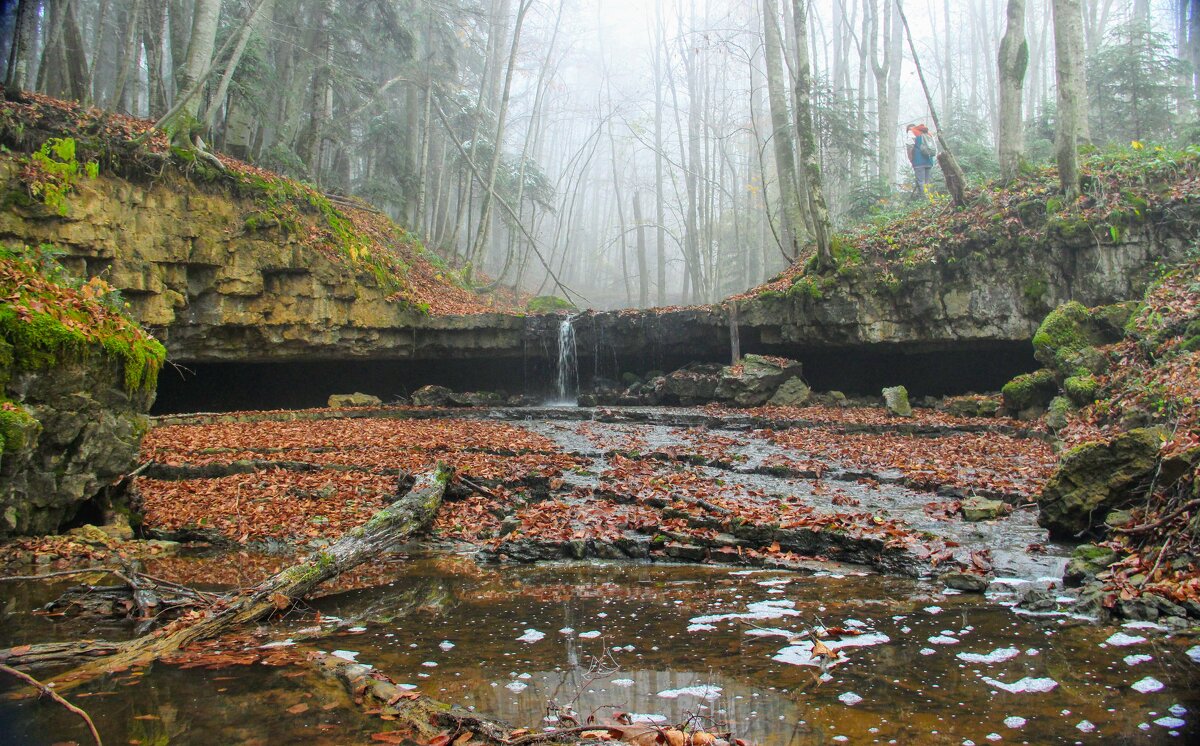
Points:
[917,158]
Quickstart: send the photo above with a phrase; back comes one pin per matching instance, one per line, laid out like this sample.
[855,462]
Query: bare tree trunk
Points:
[956,183]
[23,44]
[200,51]
[792,220]
[807,140]
[643,272]
[485,220]
[128,55]
[1012,61]
[1072,91]
[659,144]
[253,21]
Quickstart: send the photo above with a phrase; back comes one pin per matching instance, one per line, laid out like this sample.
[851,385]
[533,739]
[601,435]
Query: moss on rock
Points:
[1029,390]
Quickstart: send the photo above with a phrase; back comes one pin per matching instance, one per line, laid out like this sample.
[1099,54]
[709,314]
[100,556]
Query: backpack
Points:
[925,147]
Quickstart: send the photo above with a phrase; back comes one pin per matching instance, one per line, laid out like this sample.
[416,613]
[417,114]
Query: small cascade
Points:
[568,362]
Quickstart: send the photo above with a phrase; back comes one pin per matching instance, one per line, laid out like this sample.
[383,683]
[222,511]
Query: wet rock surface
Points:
[85,436]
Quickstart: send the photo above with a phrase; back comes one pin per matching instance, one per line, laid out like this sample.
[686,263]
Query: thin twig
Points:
[48,692]
[478,488]
[1189,505]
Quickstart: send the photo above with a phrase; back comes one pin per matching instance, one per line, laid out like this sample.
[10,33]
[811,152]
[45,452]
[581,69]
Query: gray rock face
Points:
[895,399]
[357,399]
[755,380]
[89,435]
[1096,478]
[966,582]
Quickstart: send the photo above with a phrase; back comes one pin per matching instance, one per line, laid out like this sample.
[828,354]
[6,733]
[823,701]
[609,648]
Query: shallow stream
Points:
[664,641]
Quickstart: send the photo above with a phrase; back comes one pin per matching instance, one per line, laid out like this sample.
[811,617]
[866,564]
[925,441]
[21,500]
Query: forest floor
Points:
[837,511]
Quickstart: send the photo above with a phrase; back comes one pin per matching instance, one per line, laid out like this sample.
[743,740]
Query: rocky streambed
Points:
[813,575]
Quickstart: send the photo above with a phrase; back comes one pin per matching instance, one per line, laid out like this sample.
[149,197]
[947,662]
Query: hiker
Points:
[921,154]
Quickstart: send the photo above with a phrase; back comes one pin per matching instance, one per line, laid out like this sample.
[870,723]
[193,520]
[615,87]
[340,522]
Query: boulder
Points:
[830,399]
[972,406]
[967,582]
[753,381]
[1095,478]
[357,399]
[1068,338]
[895,398]
[1029,392]
[981,509]
[693,384]
[476,399]
[67,433]
[1057,414]
[432,396]
[1087,561]
[793,392]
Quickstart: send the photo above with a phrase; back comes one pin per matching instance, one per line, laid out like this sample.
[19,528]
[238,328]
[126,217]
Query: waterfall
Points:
[568,363]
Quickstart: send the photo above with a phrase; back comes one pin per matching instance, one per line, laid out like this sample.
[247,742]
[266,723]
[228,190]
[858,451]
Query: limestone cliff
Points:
[76,381]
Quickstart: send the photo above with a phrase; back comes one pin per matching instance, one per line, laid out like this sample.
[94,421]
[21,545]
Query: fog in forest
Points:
[619,152]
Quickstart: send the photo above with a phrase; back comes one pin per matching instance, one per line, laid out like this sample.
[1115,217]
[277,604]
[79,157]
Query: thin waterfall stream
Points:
[568,363]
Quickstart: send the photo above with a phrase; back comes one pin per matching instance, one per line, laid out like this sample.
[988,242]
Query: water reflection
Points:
[677,641]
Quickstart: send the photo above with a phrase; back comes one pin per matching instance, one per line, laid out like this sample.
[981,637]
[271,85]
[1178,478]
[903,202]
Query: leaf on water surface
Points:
[440,739]
[298,709]
[390,736]
[402,696]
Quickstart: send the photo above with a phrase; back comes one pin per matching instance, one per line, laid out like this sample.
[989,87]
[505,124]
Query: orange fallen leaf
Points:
[297,709]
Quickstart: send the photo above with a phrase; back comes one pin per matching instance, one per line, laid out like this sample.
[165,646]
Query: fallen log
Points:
[386,529]
[420,717]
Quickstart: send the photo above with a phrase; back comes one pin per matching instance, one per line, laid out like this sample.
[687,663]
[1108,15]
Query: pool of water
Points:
[720,646]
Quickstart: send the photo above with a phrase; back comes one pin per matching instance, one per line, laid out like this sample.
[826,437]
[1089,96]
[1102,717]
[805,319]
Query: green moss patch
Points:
[49,318]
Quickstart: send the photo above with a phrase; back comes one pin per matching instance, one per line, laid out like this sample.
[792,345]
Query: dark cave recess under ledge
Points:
[227,387]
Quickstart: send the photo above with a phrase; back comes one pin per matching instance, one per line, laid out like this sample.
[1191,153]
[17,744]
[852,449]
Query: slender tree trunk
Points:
[128,56]
[808,141]
[956,182]
[23,44]
[256,18]
[200,51]
[660,208]
[1072,92]
[481,239]
[643,272]
[1012,61]
[791,213]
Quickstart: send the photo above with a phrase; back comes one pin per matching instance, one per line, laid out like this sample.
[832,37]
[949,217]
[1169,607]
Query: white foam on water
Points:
[1170,722]
[703,691]
[933,609]
[346,655]
[1144,625]
[926,651]
[1133,660]
[800,654]
[699,627]
[593,634]
[566,631]
[943,640]
[769,632]
[1147,685]
[999,655]
[622,682]
[1085,726]
[279,643]
[1177,710]
[531,635]
[430,664]
[1027,685]
[1014,721]
[1194,653]
[849,698]
[1120,639]
[774,608]
[646,717]
[516,686]
[446,645]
